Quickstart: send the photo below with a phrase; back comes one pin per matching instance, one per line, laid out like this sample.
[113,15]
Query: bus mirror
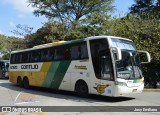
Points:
[117,55]
[144,55]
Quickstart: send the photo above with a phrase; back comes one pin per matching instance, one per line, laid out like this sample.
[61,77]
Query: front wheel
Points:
[82,89]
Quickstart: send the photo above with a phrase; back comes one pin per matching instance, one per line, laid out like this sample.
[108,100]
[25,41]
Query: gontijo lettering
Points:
[35,66]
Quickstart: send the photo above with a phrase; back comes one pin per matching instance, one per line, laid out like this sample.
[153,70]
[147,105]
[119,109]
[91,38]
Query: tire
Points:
[19,81]
[81,89]
[26,83]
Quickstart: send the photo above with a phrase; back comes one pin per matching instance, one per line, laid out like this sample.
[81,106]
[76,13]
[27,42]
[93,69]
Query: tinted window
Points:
[99,48]
[25,57]
[84,51]
[36,56]
[75,52]
[79,51]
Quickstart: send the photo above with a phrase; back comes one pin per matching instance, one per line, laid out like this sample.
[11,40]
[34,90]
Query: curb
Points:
[151,90]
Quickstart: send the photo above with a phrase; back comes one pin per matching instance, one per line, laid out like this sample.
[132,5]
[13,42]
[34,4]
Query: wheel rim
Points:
[83,89]
[26,84]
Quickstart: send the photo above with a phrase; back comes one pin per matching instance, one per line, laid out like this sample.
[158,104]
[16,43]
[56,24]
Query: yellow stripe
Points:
[42,74]
[35,78]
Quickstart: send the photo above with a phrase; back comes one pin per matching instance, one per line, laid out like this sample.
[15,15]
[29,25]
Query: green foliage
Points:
[146,6]
[145,32]
[8,44]
[47,34]
[14,43]
[2,42]
[70,12]
[58,31]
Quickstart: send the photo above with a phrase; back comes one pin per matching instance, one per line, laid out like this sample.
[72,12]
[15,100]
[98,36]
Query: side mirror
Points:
[147,55]
[116,52]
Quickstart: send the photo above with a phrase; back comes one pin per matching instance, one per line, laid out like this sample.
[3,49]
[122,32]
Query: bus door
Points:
[102,65]
[107,76]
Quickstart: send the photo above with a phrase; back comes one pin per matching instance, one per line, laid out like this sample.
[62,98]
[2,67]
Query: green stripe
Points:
[51,72]
[60,73]
[55,74]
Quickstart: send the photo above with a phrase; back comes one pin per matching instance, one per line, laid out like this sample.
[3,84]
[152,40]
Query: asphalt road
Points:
[12,95]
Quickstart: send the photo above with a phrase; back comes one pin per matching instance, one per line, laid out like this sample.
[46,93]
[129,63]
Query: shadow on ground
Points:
[63,94]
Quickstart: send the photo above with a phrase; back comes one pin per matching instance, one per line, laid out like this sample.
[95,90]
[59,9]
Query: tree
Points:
[70,12]
[8,44]
[2,42]
[47,34]
[144,32]
[15,43]
[53,31]
[146,6]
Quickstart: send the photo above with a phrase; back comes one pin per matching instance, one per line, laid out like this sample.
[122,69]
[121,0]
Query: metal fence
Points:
[152,78]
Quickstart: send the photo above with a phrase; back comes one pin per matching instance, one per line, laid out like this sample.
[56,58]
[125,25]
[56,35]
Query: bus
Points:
[101,65]
[4,67]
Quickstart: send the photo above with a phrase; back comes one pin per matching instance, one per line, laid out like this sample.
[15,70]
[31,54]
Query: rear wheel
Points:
[81,89]
[19,81]
[26,83]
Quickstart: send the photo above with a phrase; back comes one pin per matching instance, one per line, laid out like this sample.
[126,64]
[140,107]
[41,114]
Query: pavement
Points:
[148,89]
[151,90]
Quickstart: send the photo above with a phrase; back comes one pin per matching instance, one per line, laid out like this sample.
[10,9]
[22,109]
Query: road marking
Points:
[39,113]
[23,98]
[17,97]
[25,102]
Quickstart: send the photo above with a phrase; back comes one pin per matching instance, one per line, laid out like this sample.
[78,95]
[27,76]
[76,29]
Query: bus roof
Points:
[96,37]
[58,43]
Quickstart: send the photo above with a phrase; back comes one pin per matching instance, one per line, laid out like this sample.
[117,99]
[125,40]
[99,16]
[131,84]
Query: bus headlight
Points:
[120,83]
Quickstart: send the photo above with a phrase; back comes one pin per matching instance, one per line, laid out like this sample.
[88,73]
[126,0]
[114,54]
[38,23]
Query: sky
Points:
[14,12]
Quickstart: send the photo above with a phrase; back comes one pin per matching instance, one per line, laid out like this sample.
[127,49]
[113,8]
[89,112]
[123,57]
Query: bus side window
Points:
[50,54]
[18,58]
[58,54]
[75,52]
[44,55]
[66,51]
[13,58]
[25,57]
[84,51]
[36,55]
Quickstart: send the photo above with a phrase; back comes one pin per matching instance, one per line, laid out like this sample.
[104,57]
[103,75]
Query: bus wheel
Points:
[19,81]
[26,83]
[81,89]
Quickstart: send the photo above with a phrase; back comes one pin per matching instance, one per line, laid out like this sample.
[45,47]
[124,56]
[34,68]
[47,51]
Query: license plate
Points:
[134,90]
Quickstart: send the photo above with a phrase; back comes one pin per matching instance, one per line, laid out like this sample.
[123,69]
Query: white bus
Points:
[102,65]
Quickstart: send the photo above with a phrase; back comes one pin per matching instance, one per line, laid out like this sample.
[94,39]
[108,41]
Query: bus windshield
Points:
[129,67]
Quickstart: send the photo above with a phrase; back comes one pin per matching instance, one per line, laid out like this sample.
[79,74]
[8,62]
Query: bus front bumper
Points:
[124,90]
